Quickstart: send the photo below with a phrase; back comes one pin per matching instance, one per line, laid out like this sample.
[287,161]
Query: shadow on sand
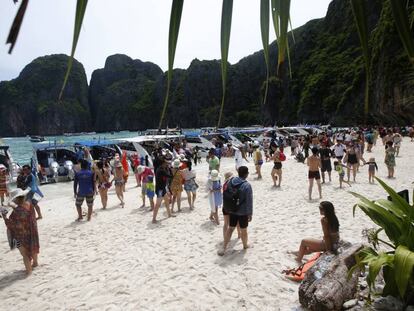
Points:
[15,276]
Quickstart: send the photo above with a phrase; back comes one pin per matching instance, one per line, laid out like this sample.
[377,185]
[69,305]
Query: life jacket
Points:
[298,274]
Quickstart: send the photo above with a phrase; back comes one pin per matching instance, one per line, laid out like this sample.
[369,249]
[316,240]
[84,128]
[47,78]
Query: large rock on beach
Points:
[326,285]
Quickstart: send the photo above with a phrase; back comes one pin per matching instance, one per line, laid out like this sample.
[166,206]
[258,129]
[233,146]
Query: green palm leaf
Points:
[402,24]
[360,15]
[403,265]
[175,20]
[391,224]
[264,26]
[226,16]
[401,203]
[17,23]
[281,17]
[80,13]
[376,263]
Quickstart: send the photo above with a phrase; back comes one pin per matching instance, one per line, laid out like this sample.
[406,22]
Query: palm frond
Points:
[360,14]
[226,17]
[80,13]
[17,23]
[264,26]
[402,24]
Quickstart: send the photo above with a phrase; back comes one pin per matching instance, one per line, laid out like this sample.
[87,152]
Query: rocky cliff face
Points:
[29,102]
[326,85]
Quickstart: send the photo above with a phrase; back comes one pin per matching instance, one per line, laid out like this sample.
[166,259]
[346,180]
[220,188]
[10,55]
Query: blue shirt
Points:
[85,180]
[245,196]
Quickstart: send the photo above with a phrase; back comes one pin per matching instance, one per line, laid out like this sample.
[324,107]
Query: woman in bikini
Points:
[330,229]
[277,167]
[119,182]
[102,178]
[352,158]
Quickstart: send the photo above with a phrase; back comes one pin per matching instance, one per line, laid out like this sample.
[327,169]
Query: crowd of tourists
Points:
[169,172]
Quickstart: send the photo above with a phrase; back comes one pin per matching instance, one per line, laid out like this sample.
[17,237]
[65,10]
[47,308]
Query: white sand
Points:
[120,261]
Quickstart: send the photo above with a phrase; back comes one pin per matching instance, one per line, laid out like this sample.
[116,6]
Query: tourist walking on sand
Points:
[339,149]
[258,159]
[118,179]
[213,161]
[226,214]
[243,213]
[125,166]
[397,139]
[352,159]
[330,229]
[239,156]
[102,178]
[190,185]
[326,166]
[314,163]
[143,173]
[372,167]
[29,182]
[162,176]
[22,228]
[390,159]
[339,167]
[84,187]
[214,195]
[277,167]
[176,186]
[3,183]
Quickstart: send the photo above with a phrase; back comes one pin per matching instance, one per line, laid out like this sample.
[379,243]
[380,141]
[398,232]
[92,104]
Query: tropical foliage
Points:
[396,219]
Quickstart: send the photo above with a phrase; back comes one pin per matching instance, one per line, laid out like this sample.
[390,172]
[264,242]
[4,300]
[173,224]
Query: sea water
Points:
[21,148]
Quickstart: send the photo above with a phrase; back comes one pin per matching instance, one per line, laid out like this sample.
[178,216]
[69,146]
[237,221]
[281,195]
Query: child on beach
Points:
[372,166]
[214,195]
[151,190]
[143,174]
[3,183]
[339,167]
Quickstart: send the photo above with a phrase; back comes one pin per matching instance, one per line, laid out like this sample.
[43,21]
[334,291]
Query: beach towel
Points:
[298,274]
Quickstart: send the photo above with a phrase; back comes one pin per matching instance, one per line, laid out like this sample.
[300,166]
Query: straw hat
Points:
[141,169]
[215,175]
[176,163]
[228,175]
[16,193]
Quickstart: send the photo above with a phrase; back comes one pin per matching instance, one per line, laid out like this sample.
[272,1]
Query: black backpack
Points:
[231,197]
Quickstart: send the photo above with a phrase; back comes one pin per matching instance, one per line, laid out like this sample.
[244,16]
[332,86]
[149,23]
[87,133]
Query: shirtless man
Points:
[314,163]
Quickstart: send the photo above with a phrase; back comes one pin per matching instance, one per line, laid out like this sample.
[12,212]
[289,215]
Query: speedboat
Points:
[7,160]
[194,140]
[37,139]
[54,162]
[99,149]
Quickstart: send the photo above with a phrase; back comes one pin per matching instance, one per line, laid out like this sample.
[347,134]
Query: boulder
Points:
[326,285]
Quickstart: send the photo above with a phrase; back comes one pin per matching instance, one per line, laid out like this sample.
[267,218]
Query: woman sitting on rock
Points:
[330,228]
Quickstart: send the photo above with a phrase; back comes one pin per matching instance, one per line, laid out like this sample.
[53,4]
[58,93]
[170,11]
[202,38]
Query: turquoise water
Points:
[22,149]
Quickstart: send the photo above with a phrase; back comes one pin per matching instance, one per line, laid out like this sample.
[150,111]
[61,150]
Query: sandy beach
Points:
[121,261]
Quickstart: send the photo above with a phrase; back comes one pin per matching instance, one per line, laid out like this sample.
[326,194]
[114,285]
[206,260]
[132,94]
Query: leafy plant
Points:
[396,219]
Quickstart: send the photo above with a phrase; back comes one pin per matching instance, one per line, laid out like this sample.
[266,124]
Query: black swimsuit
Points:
[277,165]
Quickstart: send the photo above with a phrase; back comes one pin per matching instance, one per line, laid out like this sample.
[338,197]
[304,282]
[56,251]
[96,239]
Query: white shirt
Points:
[238,157]
[339,150]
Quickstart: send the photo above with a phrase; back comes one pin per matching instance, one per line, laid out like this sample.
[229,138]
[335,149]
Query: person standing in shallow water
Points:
[314,163]
[243,215]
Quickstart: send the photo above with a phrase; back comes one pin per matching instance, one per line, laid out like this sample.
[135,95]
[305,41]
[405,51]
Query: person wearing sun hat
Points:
[176,186]
[22,228]
[214,195]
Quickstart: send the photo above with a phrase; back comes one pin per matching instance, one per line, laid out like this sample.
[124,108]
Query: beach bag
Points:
[298,274]
[282,157]
[231,197]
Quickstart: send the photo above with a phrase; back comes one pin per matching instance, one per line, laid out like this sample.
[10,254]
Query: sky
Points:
[137,28]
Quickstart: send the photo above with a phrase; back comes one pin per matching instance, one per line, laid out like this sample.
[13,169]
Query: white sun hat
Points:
[176,163]
[141,169]
[16,193]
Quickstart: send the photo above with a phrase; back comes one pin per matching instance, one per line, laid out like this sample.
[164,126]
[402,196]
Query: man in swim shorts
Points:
[84,187]
[314,163]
